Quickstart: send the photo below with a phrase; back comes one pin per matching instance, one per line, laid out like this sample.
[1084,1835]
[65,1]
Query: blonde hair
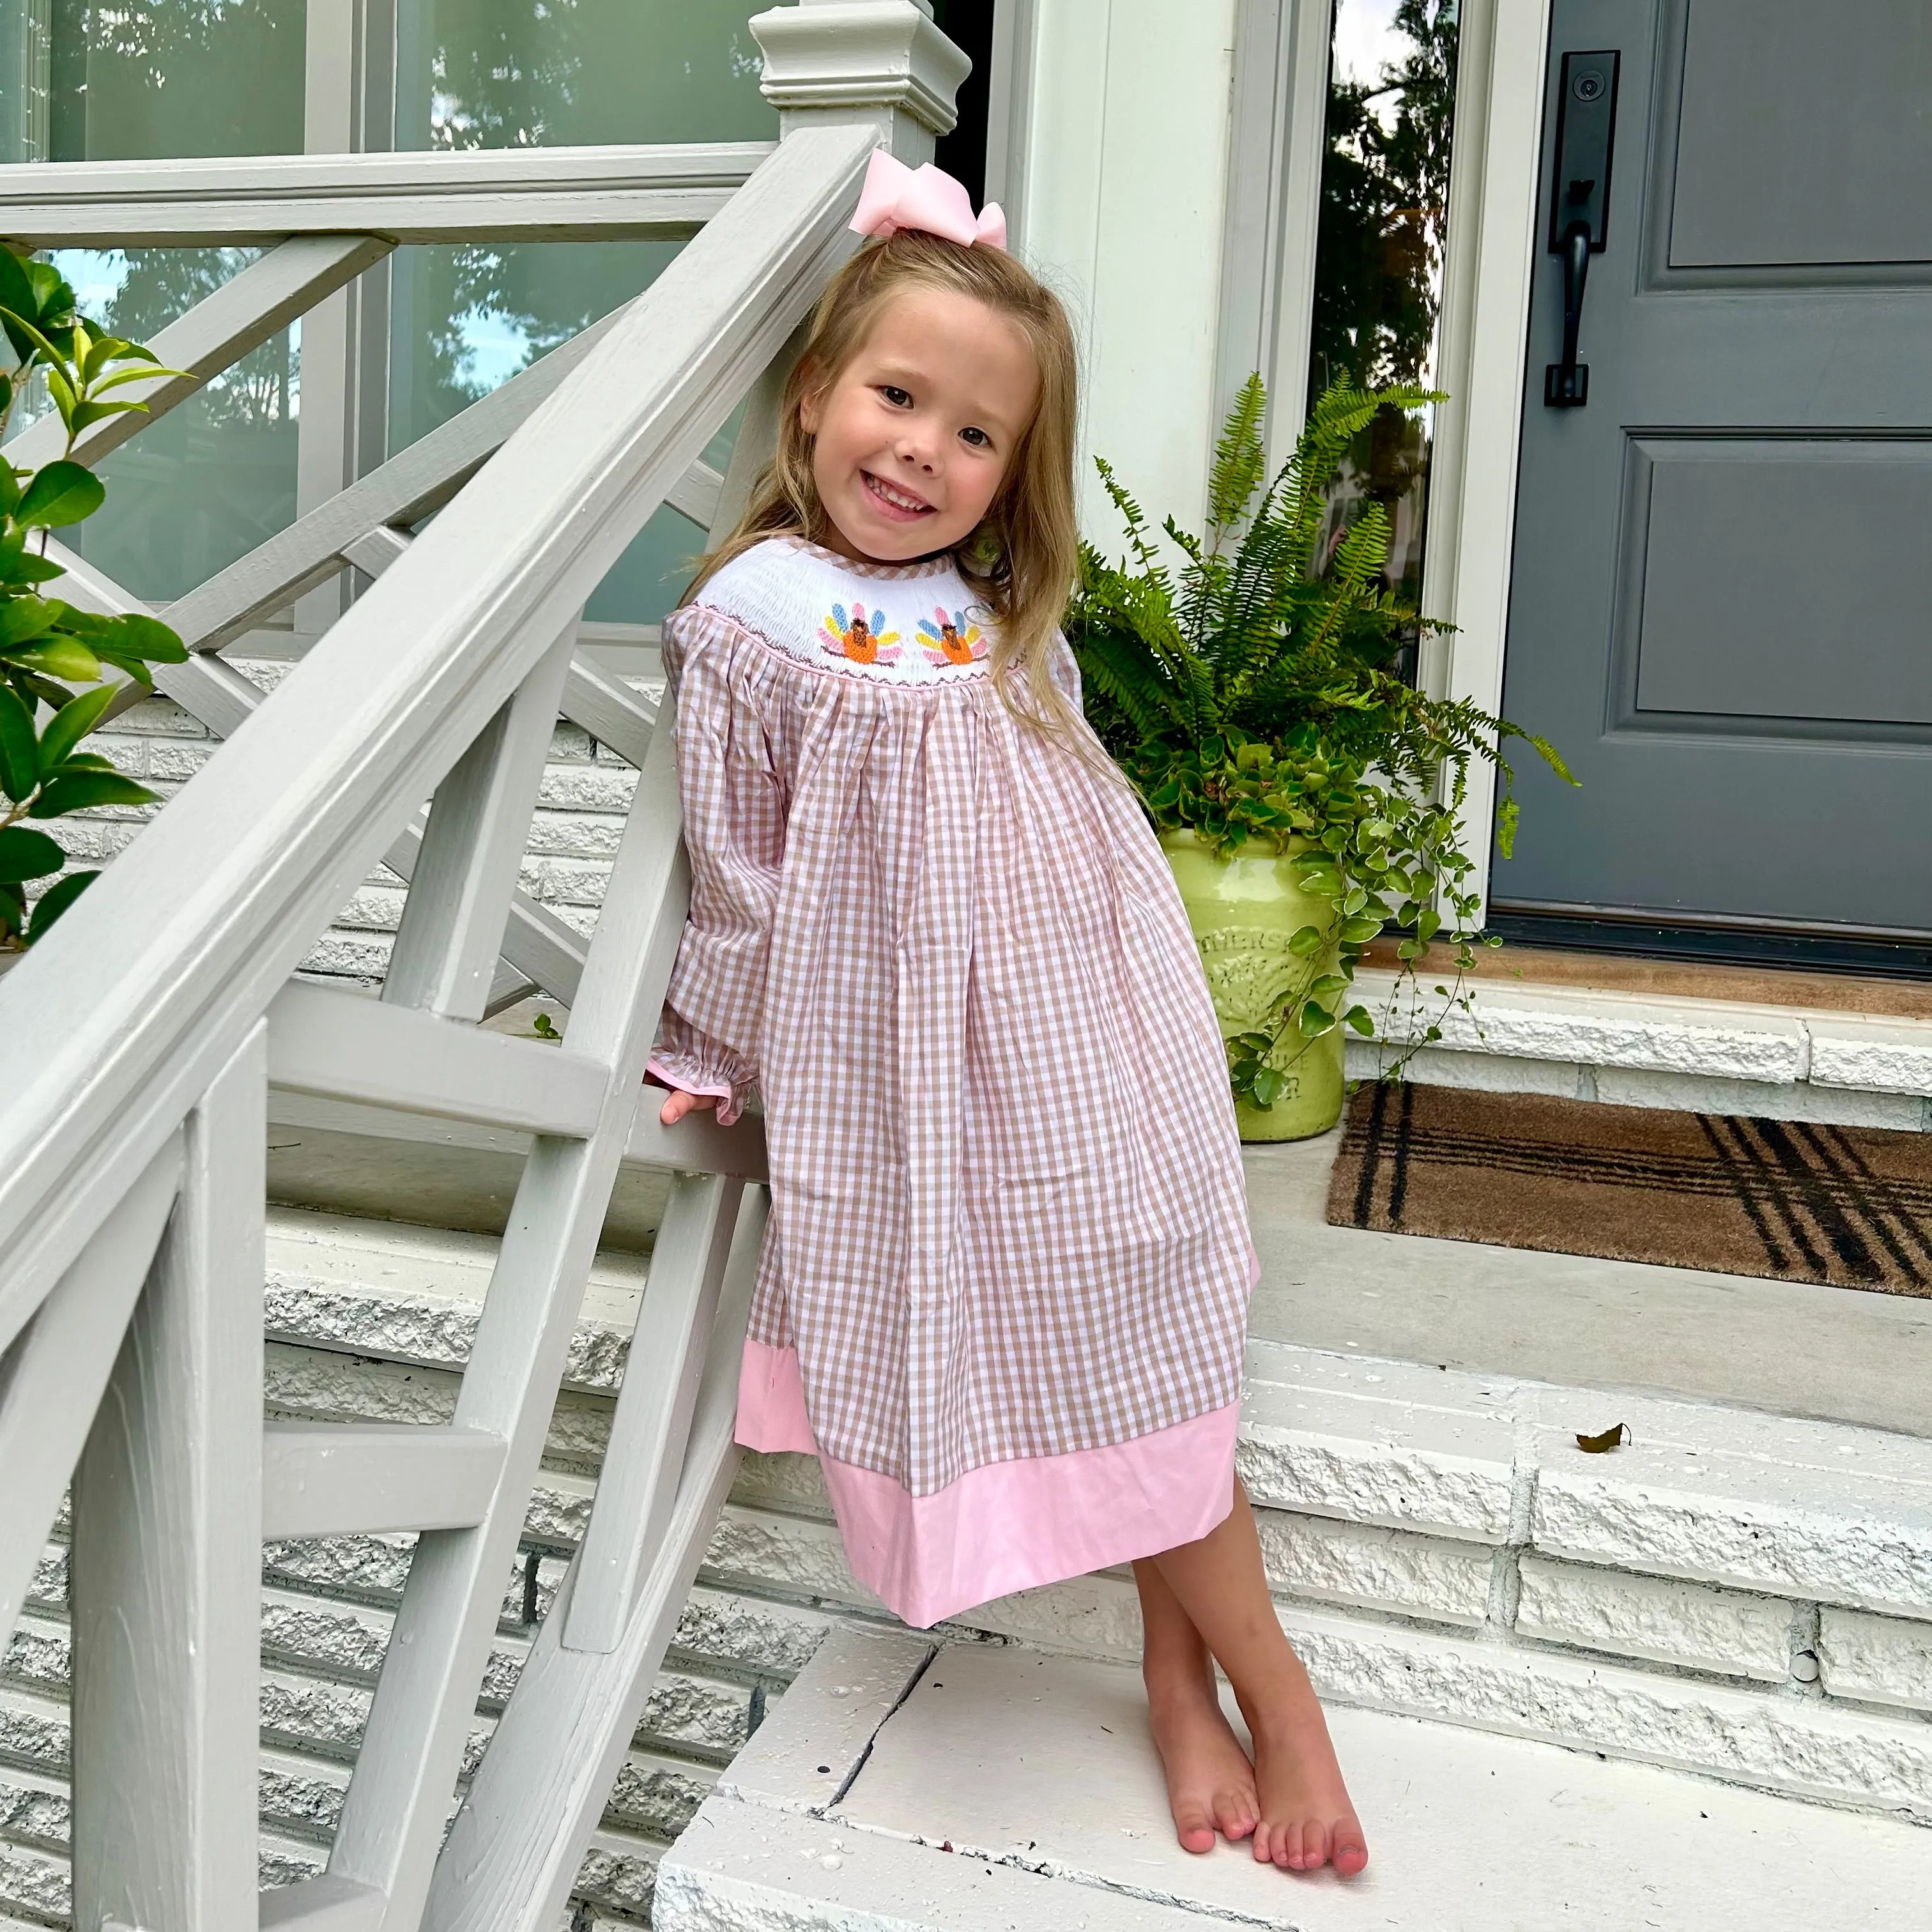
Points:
[1023,558]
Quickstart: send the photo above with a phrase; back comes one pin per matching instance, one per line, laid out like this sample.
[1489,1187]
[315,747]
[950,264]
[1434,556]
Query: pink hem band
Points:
[1006,1526]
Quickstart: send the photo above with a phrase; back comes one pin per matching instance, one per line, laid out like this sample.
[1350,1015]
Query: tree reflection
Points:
[1379,253]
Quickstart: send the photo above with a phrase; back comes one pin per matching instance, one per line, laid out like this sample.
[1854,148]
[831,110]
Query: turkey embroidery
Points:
[862,638]
[948,637]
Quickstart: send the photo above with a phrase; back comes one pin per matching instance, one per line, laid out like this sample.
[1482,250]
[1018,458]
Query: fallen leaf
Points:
[1602,1445]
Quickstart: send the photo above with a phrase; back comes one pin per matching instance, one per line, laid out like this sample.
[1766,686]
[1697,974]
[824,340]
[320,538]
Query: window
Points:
[1380,244]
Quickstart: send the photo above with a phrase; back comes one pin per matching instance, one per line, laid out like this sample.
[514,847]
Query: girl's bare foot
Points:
[1210,1784]
[1306,1819]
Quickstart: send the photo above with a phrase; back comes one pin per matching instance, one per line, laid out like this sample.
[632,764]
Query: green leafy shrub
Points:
[47,646]
[1253,693]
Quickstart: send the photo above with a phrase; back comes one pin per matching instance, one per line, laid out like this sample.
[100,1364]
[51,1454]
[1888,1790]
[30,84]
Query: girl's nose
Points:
[917,450]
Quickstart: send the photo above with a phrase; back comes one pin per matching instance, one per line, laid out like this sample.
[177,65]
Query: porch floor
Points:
[1834,1354]
[1012,1790]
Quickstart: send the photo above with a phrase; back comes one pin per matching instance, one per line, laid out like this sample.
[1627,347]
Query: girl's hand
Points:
[678,1104]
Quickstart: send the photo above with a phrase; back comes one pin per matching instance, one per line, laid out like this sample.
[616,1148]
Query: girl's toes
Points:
[1193,1827]
[1264,1843]
[1235,1815]
[1349,1853]
[1314,1845]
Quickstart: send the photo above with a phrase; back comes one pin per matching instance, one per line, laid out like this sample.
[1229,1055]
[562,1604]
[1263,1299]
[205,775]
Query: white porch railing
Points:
[138,1042]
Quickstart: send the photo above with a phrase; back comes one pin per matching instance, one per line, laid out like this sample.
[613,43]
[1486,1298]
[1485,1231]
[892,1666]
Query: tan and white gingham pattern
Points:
[1008,1212]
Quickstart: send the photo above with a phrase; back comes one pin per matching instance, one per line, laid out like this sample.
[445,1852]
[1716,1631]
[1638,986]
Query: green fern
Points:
[1246,679]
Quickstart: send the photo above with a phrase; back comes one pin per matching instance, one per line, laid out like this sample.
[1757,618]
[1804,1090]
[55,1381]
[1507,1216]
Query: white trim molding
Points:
[1485,326]
[1277,126]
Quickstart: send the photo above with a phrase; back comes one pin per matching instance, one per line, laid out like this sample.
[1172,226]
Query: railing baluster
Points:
[167,1560]
[466,872]
[387,1838]
[51,1380]
[512,1853]
[653,1424]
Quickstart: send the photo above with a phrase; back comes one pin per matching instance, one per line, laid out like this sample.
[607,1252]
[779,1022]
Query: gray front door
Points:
[1721,606]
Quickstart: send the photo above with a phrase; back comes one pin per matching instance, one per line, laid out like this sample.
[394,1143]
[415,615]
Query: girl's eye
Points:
[898,398]
[978,438]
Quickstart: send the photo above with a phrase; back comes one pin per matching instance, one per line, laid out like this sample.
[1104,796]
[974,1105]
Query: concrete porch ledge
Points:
[1639,1050]
[905,1787]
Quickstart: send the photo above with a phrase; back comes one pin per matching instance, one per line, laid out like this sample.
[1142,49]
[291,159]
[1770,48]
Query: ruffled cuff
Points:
[694,1063]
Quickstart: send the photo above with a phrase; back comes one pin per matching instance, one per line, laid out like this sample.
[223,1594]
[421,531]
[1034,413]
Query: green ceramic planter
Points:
[1244,910]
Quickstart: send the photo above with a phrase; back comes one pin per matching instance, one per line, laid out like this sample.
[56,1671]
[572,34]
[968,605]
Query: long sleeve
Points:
[734,831]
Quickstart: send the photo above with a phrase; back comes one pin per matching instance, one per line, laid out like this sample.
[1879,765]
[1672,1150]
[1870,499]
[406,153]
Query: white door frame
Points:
[1491,255]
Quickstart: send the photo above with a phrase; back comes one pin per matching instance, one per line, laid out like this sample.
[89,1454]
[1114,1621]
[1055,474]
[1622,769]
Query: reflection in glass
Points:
[205,484]
[148,79]
[1379,249]
[492,73]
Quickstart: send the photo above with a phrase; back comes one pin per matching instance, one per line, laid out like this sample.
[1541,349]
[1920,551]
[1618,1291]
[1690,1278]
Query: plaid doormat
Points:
[1852,1206]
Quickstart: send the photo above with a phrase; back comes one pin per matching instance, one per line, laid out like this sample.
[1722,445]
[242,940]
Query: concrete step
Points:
[1742,1595]
[972,1788]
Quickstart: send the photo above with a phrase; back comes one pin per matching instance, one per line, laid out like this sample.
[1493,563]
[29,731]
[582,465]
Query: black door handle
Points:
[1579,204]
[1566,385]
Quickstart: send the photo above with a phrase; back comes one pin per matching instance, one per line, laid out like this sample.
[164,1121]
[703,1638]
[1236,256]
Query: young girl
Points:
[1003,1293]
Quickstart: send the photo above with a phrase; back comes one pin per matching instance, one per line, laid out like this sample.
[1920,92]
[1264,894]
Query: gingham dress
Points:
[1008,1255]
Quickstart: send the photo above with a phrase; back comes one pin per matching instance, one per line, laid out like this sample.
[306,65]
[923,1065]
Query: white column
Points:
[1122,170]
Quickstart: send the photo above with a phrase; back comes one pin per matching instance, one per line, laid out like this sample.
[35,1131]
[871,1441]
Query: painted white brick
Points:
[564,881]
[1755,1737]
[158,717]
[1880,1659]
[1787,1537]
[1425,1577]
[179,761]
[1391,1462]
[1603,1029]
[373,908]
[128,756]
[91,840]
[595,787]
[783,1552]
[577,835]
[349,955]
[1480,1072]
[1802,1100]
[1887,1056]
[1690,1623]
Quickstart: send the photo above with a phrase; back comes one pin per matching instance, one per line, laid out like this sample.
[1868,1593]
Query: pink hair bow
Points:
[896,196]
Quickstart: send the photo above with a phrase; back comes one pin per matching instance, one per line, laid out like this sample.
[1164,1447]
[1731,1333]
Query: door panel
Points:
[1741,580]
[1806,134]
[1718,609]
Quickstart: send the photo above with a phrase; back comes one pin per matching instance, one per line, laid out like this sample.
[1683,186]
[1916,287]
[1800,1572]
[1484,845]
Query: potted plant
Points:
[1308,797]
[47,647]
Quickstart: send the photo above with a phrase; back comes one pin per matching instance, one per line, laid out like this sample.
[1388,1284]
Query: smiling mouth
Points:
[896,502]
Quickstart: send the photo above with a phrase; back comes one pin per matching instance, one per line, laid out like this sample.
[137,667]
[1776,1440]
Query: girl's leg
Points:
[1306,1819]
[1210,1784]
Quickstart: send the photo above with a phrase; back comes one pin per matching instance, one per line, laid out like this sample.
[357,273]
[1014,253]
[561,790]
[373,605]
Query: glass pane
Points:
[465,319]
[515,73]
[209,480]
[155,77]
[24,48]
[1379,249]
[490,74]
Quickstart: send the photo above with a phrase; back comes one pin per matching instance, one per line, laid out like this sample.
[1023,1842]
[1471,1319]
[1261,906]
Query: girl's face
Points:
[915,435]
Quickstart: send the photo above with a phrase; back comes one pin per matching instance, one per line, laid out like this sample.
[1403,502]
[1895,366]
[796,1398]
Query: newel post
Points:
[845,60]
